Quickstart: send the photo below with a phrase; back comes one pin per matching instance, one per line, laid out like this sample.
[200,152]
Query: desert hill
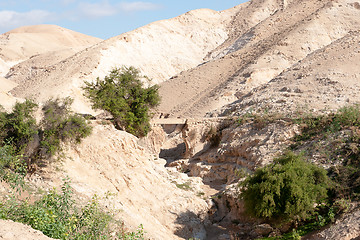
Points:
[45,43]
[323,81]
[22,43]
[260,54]
[150,48]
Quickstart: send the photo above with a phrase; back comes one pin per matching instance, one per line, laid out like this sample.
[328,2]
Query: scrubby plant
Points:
[123,95]
[13,168]
[314,126]
[19,126]
[59,124]
[23,142]
[288,189]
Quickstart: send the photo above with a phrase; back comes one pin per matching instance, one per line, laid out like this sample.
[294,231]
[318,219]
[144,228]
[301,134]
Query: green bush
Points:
[13,168]
[58,216]
[285,190]
[122,94]
[23,142]
[59,124]
[19,127]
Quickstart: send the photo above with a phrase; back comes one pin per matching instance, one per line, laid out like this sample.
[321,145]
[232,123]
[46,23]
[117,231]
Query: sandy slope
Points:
[24,42]
[10,230]
[325,80]
[47,44]
[259,55]
[6,98]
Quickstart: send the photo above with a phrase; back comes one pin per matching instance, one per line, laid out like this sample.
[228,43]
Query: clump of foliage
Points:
[59,124]
[24,142]
[122,94]
[58,216]
[335,139]
[19,126]
[288,189]
[13,168]
[347,182]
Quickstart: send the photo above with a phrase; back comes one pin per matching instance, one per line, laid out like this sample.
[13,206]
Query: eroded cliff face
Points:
[145,192]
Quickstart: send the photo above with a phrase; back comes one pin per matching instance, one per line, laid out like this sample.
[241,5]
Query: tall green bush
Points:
[122,94]
[285,190]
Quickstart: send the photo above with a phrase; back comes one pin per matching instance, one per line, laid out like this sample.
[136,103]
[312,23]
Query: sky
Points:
[99,18]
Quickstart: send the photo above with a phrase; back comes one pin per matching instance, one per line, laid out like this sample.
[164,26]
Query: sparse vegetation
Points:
[58,215]
[59,124]
[184,186]
[13,168]
[24,142]
[122,94]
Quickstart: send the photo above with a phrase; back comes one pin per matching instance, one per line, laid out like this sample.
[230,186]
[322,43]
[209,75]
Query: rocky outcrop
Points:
[145,192]
[240,148]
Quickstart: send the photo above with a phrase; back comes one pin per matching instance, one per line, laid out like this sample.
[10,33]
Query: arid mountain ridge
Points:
[220,57]
[260,56]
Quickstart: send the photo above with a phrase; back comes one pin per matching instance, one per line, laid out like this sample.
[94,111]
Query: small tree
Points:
[122,94]
[287,189]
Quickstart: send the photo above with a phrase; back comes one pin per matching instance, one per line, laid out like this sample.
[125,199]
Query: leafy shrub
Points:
[23,142]
[287,189]
[122,94]
[13,168]
[61,125]
[19,127]
[58,216]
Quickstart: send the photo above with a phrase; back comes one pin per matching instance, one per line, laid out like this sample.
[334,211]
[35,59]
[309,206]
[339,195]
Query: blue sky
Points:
[99,18]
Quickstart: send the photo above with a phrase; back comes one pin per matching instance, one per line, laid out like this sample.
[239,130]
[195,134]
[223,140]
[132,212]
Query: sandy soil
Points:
[10,230]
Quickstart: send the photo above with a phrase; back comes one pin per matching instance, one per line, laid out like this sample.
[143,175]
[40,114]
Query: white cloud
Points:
[67,2]
[104,8]
[137,6]
[95,10]
[11,19]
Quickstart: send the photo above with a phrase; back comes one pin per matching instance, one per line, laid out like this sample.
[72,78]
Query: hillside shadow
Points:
[193,226]
[173,154]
